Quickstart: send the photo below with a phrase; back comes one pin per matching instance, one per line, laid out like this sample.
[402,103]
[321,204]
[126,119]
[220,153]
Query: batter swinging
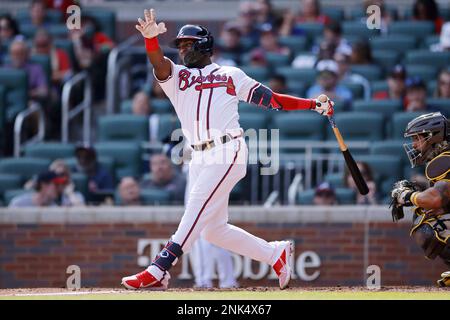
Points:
[205,97]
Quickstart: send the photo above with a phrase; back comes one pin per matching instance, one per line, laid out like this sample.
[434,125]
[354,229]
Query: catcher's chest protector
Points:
[433,233]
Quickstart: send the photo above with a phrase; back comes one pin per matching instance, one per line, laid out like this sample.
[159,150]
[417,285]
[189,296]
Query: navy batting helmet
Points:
[204,40]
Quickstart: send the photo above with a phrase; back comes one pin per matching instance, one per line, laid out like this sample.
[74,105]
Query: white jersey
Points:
[206,100]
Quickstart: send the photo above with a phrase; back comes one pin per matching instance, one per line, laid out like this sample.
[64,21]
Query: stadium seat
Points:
[151,197]
[386,170]
[310,29]
[393,43]
[160,106]
[123,127]
[105,18]
[442,105]
[295,43]
[299,125]
[418,29]
[167,123]
[357,89]
[260,74]
[386,107]
[385,58]
[426,72]
[277,59]
[296,87]
[369,71]
[25,167]
[358,126]
[390,147]
[50,150]
[426,57]
[254,121]
[52,16]
[358,28]
[335,179]
[307,76]
[126,106]
[16,84]
[377,86]
[126,155]
[429,40]
[343,195]
[334,13]
[399,121]
[9,181]
[2,108]
[58,31]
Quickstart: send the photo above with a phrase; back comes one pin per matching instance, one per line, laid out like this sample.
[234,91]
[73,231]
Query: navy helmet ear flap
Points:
[204,45]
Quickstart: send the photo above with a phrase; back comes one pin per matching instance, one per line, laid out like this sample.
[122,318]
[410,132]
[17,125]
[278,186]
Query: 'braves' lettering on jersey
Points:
[206,100]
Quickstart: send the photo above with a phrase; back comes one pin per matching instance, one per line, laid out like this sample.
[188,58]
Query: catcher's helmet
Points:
[204,40]
[435,128]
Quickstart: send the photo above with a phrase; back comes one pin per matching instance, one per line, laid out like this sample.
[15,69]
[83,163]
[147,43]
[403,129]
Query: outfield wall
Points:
[333,246]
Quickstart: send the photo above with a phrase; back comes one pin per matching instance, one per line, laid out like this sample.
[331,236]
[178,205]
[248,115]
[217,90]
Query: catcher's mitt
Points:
[397,203]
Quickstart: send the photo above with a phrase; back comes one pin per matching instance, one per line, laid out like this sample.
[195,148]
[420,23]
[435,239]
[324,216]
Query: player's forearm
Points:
[288,102]
[157,59]
[433,198]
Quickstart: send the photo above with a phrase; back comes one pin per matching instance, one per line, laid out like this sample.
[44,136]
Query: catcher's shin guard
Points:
[445,279]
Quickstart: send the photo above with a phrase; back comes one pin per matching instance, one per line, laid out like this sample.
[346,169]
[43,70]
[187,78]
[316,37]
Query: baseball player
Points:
[205,97]
[430,134]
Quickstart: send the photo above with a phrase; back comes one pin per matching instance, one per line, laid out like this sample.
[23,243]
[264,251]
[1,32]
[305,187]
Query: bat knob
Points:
[322,98]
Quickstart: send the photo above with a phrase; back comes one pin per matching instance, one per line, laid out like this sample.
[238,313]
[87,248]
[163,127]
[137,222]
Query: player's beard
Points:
[192,59]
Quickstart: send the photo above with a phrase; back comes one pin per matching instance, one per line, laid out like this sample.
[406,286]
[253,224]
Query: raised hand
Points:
[148,28]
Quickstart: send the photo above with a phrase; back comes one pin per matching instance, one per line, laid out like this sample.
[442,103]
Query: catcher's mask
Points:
[203,43]
[434,128]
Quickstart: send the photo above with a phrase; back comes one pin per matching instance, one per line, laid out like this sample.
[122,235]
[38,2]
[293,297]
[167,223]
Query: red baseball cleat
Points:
[282,266]
[145,279]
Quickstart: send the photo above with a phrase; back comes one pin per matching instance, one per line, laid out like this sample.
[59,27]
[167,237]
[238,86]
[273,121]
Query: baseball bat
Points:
[349,161]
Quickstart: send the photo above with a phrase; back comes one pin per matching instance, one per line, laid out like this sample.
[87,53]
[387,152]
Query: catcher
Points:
[430,134]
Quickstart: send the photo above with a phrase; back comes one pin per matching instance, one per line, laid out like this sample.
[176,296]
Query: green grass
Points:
[253,295]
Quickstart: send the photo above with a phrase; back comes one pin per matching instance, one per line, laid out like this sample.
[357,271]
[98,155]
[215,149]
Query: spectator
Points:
[129,192]
[91,47]
[141,104]
[163,176]
[230,41]
[45,194]
[345,74]
[416,95]
[327,83]
[266,14]
[247,21]
[268,44]
[67,196]
[366,172]
[332,33]
[444,40]
[37,81]
[310,12]
[361,53]
[38,11]
[428,10]
[443,85]
[60,62]
[278,83]
[396,85]
[99,179]
[325,195]
[8,29]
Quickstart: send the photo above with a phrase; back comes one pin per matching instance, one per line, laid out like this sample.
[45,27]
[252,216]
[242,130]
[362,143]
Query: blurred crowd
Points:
[258,39]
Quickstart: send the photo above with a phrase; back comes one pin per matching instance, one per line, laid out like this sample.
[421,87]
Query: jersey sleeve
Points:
[245,86]
[170,84]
